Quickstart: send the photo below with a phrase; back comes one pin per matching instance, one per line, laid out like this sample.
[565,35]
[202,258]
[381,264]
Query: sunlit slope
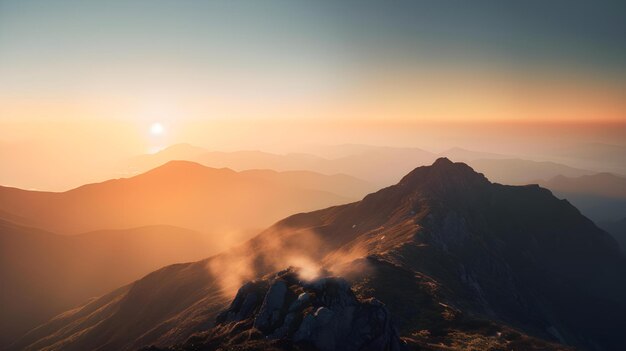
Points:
[43,273]
[179,193]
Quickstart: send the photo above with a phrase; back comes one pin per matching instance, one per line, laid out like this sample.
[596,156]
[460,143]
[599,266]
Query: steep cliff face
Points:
[452,256]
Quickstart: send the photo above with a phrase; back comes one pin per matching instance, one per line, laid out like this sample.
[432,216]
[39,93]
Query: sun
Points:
[156,128]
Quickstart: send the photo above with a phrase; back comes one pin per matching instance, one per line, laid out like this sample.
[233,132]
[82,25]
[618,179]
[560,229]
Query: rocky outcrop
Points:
[323,313]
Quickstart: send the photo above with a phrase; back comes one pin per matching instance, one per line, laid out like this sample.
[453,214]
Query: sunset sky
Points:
[94,77]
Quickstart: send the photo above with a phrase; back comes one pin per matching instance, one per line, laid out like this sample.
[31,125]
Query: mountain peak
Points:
[444,173]
[442,162]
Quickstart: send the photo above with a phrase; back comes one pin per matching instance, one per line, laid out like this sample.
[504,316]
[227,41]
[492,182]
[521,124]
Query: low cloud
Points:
[279,249]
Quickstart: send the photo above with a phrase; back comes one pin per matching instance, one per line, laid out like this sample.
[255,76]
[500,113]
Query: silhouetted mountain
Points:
[601,197]
[456,259]
[44,274]
[179,193]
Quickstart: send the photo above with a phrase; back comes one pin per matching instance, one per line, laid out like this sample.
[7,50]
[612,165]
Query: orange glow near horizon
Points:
[442,95]
[423,104]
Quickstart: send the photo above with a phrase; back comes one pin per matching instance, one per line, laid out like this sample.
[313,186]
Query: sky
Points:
[87,80]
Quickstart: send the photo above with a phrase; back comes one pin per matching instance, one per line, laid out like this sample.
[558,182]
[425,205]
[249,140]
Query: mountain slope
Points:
[618,230]
[443,249]
[179,193]
[44,274]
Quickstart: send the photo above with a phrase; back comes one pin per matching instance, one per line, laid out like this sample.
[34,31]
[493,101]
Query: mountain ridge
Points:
[461,247]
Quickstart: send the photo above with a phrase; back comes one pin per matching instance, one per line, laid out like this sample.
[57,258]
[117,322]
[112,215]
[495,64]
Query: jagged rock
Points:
[323,313]
[245,302]
[270,312]
[302,299]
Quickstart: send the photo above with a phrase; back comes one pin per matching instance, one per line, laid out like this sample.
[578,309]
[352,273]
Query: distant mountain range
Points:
[602,197]
[43,274]
[183,194]
[599,195]
[611,158]
[379,165]
[456,259]
[28,168]
[520,172]
[601,184]
[382,166]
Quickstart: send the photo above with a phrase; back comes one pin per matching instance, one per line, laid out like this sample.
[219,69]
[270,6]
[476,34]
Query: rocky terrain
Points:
[283,311]
[459,262]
